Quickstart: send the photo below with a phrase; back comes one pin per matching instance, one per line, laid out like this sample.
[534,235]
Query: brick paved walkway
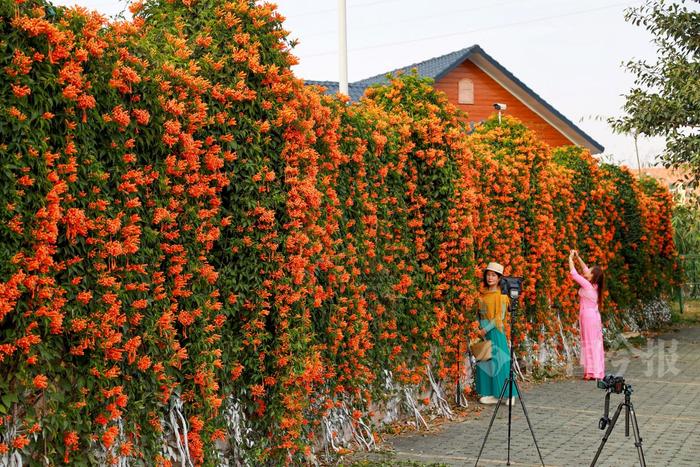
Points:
[665,376]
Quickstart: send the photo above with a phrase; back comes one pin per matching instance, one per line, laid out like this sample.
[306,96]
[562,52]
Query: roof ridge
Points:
[460,52]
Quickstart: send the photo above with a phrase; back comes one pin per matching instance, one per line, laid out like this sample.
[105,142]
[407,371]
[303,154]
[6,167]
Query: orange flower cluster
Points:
[188,232]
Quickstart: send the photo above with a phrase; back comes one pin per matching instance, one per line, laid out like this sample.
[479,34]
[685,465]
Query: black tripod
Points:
[508,384]
[629,409]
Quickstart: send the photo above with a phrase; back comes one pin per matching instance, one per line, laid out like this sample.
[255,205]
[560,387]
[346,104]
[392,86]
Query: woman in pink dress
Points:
[592,285]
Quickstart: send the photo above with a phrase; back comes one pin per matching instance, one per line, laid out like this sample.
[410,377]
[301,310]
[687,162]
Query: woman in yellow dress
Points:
[493,306]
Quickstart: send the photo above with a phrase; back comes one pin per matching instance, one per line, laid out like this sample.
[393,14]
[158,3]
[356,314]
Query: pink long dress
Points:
[592,353]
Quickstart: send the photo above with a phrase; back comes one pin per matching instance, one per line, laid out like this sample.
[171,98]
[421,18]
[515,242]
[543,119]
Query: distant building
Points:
[474,82]
[672,178]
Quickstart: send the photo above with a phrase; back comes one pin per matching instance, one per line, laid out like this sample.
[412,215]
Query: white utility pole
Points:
[342,48]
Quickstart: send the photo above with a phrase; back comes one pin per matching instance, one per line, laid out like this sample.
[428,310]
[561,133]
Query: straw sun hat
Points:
[495,267]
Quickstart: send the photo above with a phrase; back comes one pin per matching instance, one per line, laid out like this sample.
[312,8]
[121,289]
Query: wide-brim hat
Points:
[495,267]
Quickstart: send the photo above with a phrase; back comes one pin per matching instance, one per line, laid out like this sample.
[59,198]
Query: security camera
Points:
[499,106]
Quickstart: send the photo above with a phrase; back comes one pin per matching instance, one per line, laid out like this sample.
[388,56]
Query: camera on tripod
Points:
[511,286]
[613,383]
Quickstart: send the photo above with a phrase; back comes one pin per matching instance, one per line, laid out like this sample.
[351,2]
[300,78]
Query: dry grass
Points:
[691,312]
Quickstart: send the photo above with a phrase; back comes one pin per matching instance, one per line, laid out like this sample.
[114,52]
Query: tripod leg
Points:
[510,383]
[527,417]
[493,417]
[607,433]
[637,436]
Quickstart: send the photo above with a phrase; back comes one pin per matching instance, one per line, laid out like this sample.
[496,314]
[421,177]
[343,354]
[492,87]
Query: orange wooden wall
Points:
[488,92]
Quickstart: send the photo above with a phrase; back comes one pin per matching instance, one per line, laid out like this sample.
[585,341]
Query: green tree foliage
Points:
[686,228]
[665,99]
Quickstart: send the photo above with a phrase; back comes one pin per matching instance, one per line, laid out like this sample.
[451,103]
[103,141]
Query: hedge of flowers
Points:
[202,259]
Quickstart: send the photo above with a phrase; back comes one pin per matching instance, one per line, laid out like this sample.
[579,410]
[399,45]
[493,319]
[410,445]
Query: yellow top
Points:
[493,306]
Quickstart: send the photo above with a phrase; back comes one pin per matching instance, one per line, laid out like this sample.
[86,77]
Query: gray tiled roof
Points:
[434,68]
[356,90]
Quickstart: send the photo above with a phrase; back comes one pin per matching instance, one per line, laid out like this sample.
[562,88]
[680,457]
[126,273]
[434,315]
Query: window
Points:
[466,91]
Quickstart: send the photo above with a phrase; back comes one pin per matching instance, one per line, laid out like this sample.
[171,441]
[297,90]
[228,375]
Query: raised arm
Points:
[572,266]
[580,280]
[584,268]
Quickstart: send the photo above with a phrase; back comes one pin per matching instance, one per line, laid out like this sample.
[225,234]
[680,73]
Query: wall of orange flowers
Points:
[201,258]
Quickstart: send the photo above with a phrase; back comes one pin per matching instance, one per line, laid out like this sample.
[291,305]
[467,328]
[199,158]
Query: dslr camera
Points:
[613,383]
[511,286]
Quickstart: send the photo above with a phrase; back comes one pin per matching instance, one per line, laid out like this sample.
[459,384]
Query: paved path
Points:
[665,377]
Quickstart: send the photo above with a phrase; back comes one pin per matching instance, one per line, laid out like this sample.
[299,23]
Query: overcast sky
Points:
[569,52]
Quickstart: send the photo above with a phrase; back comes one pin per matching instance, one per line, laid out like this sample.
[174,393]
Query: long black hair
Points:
[598,279]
